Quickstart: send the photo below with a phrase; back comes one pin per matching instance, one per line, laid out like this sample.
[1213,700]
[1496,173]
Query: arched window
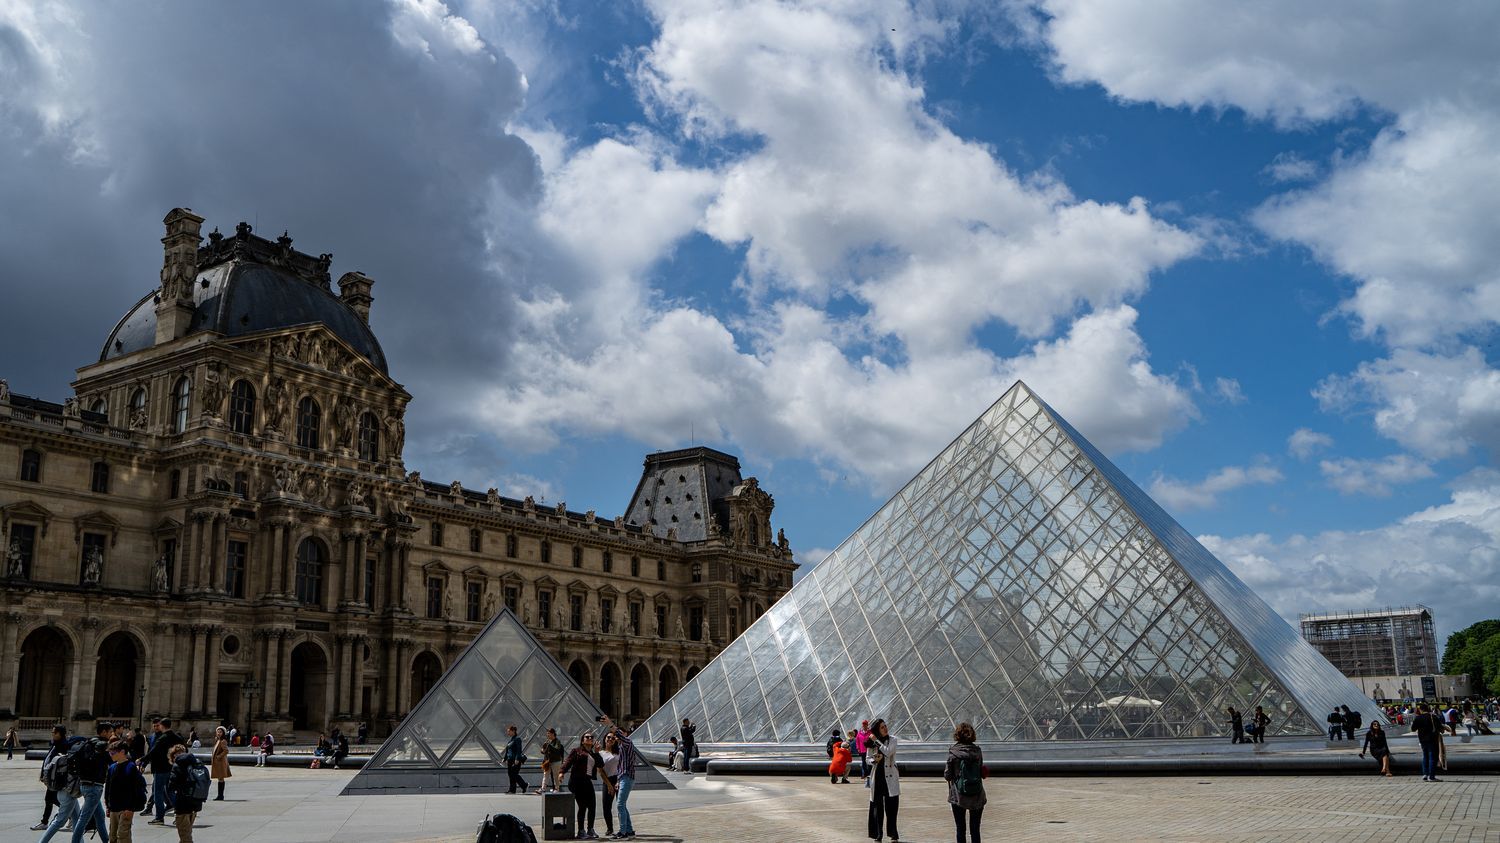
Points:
[242,407]
[137,408]
[182,396]
[309,422]
[310,560]
[99,479]
[100,406]
[369,438]
[31,466]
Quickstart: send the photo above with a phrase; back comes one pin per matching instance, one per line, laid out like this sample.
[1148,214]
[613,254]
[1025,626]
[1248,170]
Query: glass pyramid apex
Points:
[1020,581]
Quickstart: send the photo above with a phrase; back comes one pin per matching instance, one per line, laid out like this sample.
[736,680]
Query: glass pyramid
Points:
[455,736]
[1023,583]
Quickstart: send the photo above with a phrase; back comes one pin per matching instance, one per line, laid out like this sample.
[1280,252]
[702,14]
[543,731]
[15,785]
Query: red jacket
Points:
[841,759]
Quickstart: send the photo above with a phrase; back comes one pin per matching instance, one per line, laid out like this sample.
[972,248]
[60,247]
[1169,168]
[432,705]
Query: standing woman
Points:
[609,762]
[885,782]
[581,768]
[219,762]
[861,750]
[965,774]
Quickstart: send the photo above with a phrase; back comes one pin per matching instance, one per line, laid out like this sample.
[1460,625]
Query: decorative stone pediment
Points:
[578,587]
[546,582]
[168,526]
[25,511]
[97,521]
[314,346]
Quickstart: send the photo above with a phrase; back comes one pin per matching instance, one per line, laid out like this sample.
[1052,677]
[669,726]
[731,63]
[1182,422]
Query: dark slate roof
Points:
[250,289]
[682,489]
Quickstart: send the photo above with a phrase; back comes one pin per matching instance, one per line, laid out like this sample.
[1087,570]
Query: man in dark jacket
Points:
[1351,722]
[92,767]
[161,767]
[1335,724]
[514,755]
[1429,729]
[58,744]
[184,802]
[689,744]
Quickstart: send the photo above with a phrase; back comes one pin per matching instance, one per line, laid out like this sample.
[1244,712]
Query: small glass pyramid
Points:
[455,737]
[1024,584]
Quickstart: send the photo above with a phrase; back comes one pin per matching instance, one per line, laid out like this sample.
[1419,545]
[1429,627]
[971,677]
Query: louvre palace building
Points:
[217,525]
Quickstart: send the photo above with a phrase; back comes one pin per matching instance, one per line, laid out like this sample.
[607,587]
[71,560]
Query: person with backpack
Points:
[834,738]
[124,792]
[88,767]
[60,786]
[689,744]
[964,771]
[839,766]
[582,770]
[514,757]
[219,761]
[188,782]
[1335,724]
[137,745]
[161,768]
[12,741]
[1352,721]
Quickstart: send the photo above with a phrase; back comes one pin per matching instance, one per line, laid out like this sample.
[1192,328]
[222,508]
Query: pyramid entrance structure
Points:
[1020,582]
[455,737]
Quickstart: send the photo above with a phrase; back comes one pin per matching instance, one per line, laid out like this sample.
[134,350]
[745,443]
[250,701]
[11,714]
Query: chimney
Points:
[354,291]
[174,300]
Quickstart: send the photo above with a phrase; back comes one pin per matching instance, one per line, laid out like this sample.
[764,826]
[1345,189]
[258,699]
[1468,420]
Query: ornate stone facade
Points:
[222,508]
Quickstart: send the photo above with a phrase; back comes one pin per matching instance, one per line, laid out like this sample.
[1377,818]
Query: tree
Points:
[1475,651]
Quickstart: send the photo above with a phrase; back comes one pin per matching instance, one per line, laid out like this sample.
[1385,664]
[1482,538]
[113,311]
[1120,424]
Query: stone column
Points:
[360,561]
[387,683]
[340,671]
[211,674]
[217,548]
[88,664]
[207,527]
[357,686]
[288,561]
[403,655]
[270,682]
[284,677]
[158,690]
[10,659]
[195,670]
[273,559]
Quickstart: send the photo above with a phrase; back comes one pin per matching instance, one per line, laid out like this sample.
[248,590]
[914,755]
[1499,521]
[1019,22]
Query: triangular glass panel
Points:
[1023,582]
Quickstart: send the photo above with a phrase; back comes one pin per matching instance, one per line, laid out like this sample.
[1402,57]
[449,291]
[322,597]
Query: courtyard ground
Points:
[291,806]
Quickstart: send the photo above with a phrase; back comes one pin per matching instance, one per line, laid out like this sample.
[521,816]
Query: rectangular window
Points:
[635,566]
[241,485]
[577,556]
[370,581]
[437,534]
[607,609]
[472,600]
[174,484]
[575,612]
[695,623]
[31,466]
[91,542]
[661,621]
[476,540]
[434,597]
[510,545]
[661,570]
[513,599]
[23,539]
[635,619]
[234,568]
[609,562]
[99,480]
[544,608]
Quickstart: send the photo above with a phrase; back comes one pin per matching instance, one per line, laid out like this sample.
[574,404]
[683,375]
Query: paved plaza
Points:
[292,806]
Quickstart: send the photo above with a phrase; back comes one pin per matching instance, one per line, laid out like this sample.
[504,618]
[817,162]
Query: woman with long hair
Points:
[218,765]
[885,782]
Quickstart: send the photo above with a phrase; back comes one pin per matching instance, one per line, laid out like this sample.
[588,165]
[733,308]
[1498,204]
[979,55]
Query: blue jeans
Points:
[160,795]
[1429,759]
[67,808]
[93,798]
[626,783]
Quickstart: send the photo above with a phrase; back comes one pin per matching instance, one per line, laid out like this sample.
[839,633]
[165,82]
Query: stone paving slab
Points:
[292,806]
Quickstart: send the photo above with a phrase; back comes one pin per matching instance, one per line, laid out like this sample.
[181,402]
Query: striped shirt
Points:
[628,756]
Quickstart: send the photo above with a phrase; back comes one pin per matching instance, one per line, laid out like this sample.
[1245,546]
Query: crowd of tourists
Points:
[98,784]
[611,759]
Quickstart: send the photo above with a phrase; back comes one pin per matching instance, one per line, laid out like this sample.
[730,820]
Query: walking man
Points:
[627,763]
[1429,729]
[161,767]
[1237,723]
[92,766]
[1352,722]
[1261,720]
[689,744]
[12,740]
[514,756]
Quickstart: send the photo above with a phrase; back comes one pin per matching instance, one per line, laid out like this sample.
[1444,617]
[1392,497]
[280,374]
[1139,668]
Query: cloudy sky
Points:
[1251,250]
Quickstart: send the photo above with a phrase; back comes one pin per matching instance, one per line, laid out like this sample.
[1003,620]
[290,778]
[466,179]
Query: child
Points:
[839,768]
[672,754]
[124,791]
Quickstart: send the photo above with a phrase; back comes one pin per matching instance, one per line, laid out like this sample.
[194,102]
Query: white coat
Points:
[892,775]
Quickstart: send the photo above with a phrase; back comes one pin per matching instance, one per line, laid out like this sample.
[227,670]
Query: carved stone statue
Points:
[414,478]
[456,489]
[343,424]
[159,574]
[213,393]
[138,418]
[4,391]
[355,495]
[1379,694]
[15,561]
[396,430]
[493,495]
[593,620]
[71,408]
[489,604]
[526,615]
[447,604]
[529,504]
[703,630]
[619,522]
[681,633]
[93,565]
[276,398]
[283,482]
[781,541]
[562,508]
[714,529]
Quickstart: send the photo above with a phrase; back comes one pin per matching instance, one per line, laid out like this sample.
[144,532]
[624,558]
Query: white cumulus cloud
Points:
[1304,442]
[1180,495]
[1373,477]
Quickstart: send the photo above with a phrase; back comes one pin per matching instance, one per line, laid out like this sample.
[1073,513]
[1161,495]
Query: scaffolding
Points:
[1379,642]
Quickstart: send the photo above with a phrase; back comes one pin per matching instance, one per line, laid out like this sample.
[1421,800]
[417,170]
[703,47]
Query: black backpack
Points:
[504,828]
[86,754]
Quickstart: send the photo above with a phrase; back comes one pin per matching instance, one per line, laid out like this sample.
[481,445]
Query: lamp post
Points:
[1359,667]
[141,711]
[251,690]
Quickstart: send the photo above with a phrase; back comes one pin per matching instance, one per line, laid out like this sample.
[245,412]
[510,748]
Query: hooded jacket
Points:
[957,754]
[841,758]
